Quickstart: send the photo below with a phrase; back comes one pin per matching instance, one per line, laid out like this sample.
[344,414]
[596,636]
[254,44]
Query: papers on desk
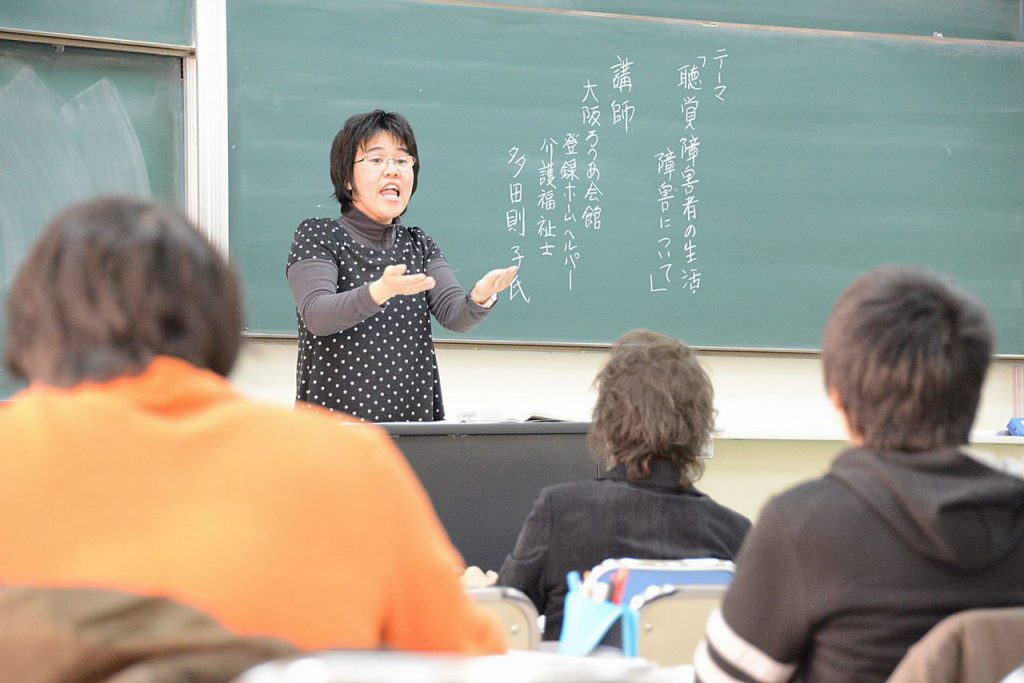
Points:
[494,416]
[481,416]
[542,667]
[519,666]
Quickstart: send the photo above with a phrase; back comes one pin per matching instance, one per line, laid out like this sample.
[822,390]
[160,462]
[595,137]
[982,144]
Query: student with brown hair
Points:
[131,463]
[653,418]
[842,574]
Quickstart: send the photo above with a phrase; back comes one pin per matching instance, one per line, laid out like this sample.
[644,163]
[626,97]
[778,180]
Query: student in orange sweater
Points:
[130,463]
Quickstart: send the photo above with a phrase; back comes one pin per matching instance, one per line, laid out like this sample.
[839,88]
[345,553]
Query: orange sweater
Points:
[276,522]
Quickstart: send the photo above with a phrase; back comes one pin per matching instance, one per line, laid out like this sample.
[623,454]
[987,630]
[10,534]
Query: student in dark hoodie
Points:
[841,575]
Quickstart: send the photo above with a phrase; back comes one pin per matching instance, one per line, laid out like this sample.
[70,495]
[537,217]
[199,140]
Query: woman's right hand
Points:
[394,282]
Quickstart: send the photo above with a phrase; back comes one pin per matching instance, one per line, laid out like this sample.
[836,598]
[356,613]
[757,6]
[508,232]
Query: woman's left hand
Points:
[495,281]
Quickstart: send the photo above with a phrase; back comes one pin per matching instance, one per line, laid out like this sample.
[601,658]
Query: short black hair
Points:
[907,351]
[654,402]
[111,283]
[357,131]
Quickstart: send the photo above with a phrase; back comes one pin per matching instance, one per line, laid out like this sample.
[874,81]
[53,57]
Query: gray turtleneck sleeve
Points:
[449,302]
[325,310]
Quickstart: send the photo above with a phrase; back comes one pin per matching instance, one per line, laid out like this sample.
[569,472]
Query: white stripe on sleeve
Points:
[741,654]
[706,669]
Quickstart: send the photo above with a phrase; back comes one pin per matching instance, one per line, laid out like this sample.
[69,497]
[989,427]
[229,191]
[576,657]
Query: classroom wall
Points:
[776,425]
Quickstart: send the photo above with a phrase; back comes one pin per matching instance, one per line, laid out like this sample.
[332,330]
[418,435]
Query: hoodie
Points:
[943,504]
[841,575]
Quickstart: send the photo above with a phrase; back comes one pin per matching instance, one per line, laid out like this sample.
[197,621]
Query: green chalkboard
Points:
[167,22]
[77,122]
[820,155]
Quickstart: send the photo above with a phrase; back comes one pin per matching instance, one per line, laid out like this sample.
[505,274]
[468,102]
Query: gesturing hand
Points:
[394,282]
[495,281]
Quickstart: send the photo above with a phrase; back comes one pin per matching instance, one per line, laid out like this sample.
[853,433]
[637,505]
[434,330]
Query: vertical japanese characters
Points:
[677,197]
[515,217]
[559,221]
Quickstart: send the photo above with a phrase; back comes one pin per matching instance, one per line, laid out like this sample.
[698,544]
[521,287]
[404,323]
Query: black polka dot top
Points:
[382,369]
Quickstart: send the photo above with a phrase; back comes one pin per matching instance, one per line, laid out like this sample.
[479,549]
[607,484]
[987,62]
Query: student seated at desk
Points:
[131,463]
[652,420]
[841,575]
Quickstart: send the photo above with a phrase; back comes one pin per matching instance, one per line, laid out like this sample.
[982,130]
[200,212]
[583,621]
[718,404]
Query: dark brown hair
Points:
[353,136]
[112,282]
[907,353]
[654,402]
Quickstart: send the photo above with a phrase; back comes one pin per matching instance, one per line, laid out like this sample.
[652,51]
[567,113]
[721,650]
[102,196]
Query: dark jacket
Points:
[577,525]
[841,575]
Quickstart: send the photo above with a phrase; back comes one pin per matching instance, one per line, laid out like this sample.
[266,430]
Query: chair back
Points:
[967,647]
[514,610]
[670,621]
[627,577]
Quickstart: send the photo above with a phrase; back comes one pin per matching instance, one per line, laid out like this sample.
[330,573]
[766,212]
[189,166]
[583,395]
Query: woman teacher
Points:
[365,285]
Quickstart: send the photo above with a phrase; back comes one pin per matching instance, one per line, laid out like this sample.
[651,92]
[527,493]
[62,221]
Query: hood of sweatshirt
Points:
[943,503]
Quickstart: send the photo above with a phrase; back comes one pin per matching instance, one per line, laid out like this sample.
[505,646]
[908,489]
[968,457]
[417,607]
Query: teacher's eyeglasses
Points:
[379,162]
